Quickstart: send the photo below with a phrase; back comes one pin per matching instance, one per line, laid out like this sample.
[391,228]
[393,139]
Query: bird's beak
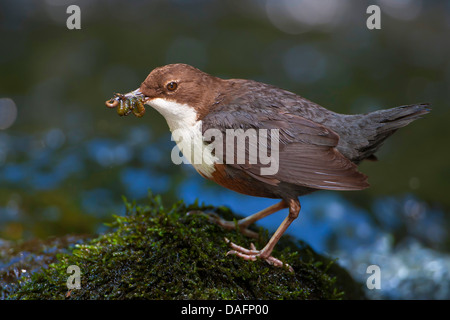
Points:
[138,94]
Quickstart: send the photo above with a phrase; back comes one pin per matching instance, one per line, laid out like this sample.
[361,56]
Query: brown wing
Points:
[307,150]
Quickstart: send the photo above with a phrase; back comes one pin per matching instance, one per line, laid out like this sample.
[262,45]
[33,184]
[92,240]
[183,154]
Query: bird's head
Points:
[181,93]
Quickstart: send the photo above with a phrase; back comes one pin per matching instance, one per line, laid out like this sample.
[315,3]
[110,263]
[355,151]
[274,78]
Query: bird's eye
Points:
[172,86]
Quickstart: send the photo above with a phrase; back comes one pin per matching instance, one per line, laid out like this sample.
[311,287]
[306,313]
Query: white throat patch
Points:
[187,132]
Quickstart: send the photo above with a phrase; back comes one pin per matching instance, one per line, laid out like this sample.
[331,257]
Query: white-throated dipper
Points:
[317,149]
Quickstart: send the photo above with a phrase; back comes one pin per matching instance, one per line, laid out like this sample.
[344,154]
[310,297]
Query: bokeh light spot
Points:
[8,113]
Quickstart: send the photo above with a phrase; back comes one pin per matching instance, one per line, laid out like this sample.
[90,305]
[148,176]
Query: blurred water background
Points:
[66,160]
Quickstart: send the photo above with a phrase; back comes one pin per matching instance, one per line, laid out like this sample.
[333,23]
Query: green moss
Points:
[159,253]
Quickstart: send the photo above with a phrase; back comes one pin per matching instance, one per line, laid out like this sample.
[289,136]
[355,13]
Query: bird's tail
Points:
[379,125]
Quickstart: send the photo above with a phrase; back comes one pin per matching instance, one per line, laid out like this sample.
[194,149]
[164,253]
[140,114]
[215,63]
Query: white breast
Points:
[187,132]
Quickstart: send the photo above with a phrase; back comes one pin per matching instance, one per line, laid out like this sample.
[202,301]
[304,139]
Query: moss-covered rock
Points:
[158,253]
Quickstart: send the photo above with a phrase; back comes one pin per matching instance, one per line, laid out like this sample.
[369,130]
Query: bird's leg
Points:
[265,253]
[244,223]
[247,221]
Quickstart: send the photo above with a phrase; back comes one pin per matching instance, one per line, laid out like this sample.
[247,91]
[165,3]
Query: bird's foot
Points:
[229,225]
[253,254]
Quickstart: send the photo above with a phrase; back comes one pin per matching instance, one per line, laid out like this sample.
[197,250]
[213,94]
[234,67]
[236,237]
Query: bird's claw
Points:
[252,254]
